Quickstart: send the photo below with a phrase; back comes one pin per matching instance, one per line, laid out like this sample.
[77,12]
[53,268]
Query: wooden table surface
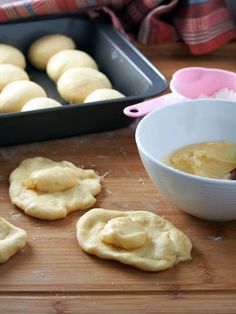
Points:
[53,275]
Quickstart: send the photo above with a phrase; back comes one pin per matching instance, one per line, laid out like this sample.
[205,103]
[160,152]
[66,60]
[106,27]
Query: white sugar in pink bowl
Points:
[190,83]
[223,93]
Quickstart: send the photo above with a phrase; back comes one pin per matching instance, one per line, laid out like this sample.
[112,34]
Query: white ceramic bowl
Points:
[169,128]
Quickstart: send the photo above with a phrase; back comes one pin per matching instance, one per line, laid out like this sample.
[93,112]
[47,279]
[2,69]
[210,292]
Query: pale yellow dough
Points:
[40,103]
[50,190]
[12,239]
[16,94]
[103,94]
[76,84]
[47,46]
[138,238]
[68,59]
[10,73]
[12,55]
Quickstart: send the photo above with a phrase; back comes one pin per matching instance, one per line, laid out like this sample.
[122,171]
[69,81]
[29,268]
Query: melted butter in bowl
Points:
[204,193]
[215,160]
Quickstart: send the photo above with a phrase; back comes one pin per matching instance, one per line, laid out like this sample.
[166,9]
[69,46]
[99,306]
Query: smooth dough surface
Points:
[138,238]
[12,239]
[45,47]
[68,59]
[10,73]
[12,55]
[50,190]
[76,84]
[103,94]
[16,94]
[40,103]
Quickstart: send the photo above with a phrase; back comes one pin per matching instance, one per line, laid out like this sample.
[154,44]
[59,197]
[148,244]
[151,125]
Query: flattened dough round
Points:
[76,84]
[50,190]
[12,55]
[40,103]
[138,238]
[45,47]
[68,59]
[10,73]
[16,94]
[12,239]
[103,94]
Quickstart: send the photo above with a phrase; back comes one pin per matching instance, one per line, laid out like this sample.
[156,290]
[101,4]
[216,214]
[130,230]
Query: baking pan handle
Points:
[143,108]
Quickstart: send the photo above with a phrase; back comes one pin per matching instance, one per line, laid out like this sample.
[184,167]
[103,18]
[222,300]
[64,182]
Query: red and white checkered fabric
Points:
[203,25]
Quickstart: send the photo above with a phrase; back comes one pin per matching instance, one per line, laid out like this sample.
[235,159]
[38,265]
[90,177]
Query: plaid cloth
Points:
[203,25]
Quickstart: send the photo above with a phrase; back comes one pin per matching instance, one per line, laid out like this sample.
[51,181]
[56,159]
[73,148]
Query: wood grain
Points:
[170,302]
[53,275]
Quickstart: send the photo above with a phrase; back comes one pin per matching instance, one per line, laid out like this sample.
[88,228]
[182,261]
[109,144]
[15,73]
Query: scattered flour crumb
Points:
[140,180]
[104,175]
[39,273]
[16,215]
[216,238]
[109,192]
[125,155]
[69,234]
[223,93]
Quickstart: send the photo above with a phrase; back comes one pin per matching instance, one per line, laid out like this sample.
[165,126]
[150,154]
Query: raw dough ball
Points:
[47,46]
[12,55]
[68,59]
[40,103]
[137,238]
[10,73]
[12,239]
[103,94]
[76,84]
[50,190]
[16,94]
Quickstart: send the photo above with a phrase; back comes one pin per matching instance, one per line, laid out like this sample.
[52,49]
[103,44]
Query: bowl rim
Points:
[169,168]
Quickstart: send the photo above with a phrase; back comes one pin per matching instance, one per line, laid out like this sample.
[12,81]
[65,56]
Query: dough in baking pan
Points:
[138,238]
[10,73]
[76,84]
[46,46]
[103,94]
[12,239]
[16,94]
[40,103]
[12,55]
[68,59]
[50,190]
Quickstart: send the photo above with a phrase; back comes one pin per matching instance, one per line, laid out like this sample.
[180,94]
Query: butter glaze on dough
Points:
[150,242]
[50,190]
[12,239]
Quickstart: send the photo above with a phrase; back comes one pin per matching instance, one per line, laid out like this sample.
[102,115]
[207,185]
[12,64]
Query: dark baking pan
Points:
[128,70]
